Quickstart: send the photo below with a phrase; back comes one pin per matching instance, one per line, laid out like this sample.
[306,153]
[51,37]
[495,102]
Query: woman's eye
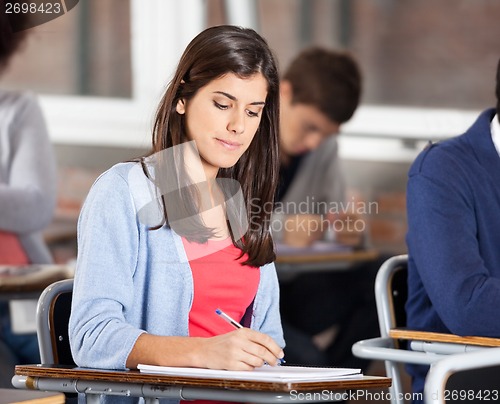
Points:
[252,113]
[221,106]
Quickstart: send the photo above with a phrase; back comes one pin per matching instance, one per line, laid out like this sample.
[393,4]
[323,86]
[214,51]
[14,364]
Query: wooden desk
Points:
[27,282]
[401,333]
[440,343]
[321,256]
[12,396]
[137,384]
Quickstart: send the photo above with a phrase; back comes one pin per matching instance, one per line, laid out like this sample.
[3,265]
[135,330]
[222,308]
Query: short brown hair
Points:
[327,79]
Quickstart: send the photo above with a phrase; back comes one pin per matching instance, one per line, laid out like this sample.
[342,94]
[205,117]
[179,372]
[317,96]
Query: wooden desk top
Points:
[31,278]
[321,256]
[134,376]
[13,396]
[401,333]
[305,256]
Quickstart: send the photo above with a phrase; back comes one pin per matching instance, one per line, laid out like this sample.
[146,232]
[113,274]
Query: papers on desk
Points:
[318,247]
[284,374]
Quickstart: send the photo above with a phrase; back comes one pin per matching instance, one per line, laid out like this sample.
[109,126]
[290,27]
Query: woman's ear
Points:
[180,107]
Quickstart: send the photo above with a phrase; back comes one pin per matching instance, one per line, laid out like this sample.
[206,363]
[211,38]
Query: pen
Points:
[229,319]
[235,324]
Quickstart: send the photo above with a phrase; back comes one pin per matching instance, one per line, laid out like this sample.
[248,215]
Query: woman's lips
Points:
[229,145]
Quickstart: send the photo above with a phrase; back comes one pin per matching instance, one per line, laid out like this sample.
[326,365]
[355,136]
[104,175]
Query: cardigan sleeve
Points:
[266,310]
[443,243]
[108,239]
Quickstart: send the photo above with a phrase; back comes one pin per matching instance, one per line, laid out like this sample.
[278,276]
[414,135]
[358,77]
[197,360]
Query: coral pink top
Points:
[220,281]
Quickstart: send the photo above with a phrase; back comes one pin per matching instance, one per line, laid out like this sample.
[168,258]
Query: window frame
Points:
[127,122]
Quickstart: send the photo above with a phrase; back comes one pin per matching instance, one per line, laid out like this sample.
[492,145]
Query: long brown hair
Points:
[211,54]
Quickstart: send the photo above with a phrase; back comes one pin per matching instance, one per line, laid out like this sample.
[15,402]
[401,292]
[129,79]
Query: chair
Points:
[391,293]
[455,378]
[53,310]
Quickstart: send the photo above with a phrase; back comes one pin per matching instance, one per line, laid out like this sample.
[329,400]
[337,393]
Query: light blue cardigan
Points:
[131,280]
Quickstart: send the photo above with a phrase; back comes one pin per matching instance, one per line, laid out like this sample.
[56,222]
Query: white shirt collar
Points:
[495,132]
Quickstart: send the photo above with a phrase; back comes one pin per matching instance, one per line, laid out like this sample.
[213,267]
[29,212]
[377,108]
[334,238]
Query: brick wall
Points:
[388,227]
[382,184]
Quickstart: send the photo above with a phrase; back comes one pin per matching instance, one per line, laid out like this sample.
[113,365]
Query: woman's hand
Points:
[242,349]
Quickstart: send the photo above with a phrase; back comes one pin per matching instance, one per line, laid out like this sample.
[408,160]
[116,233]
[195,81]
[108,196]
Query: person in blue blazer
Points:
[453,202]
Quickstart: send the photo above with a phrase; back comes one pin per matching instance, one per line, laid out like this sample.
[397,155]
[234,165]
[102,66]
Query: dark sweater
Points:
[454,237]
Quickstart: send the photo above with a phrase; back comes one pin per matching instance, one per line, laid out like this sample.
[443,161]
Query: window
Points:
[86,51]
[428,65]
[428,68]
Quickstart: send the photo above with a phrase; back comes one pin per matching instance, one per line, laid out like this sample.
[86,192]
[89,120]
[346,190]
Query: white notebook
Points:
[289,374]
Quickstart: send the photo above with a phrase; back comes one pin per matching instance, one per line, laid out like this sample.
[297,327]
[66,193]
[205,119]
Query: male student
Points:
[453,203]
[320,91]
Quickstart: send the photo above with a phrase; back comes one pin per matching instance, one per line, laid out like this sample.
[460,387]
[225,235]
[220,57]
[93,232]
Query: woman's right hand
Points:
[241,349]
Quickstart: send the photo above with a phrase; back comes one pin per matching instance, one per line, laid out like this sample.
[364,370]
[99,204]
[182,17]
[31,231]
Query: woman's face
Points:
[223,117]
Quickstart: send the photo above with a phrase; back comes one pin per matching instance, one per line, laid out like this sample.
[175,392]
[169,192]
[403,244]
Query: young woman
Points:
[165,241]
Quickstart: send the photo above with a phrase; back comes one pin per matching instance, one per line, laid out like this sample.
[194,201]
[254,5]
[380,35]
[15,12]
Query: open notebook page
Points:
[292,374]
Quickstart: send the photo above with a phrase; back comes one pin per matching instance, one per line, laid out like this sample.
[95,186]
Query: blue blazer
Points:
[453,202]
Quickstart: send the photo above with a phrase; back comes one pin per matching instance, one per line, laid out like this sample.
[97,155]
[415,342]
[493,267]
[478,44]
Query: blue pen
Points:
[230,320]
[235,324]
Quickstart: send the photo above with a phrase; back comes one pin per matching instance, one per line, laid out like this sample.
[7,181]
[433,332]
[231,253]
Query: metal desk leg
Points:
[92,398]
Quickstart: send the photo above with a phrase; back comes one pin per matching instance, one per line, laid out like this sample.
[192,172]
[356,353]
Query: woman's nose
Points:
[236,124]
